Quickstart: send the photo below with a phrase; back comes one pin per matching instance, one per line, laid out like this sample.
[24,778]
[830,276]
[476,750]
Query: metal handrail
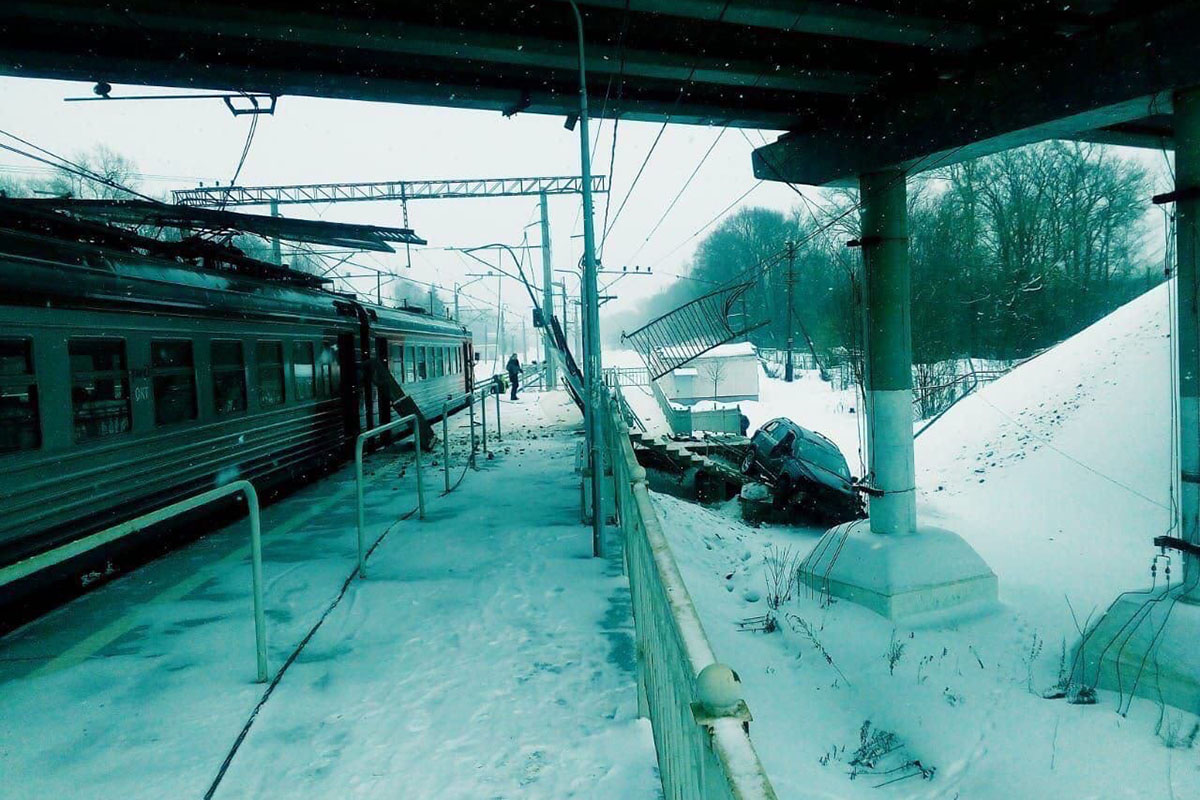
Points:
[710,757]
[358,478]
[34,564]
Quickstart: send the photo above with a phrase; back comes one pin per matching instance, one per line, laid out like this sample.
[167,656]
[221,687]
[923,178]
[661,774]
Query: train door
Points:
[385,407]
[468,366]
[351,390]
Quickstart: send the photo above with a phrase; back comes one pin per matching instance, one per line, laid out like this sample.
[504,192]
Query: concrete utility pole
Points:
[276,255]
[547,296]
[595,383]
[1187,254]
[789,373]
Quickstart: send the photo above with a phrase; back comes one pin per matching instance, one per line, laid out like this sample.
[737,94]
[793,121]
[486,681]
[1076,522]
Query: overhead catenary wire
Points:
[679,194]
[66,165]
[241,160]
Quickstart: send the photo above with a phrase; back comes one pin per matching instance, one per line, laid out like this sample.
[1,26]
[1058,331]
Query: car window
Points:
[822,457]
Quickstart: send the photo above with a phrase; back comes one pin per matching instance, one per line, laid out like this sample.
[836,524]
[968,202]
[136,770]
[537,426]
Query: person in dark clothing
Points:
[514,374]
[744,421]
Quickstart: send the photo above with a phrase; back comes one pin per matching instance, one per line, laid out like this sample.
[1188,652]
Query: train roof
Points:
[47,257]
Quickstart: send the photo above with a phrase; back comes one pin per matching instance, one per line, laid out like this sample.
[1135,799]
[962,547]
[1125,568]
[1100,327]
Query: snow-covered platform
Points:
[487,655]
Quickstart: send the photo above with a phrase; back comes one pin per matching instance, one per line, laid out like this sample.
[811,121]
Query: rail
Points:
[411,419]
[34,564]
[709,756]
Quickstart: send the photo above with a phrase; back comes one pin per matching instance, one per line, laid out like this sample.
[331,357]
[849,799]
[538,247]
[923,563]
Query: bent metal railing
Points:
[710,757]
[41,561]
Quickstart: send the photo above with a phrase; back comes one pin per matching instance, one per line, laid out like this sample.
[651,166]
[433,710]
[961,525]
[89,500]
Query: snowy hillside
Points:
[1059,475]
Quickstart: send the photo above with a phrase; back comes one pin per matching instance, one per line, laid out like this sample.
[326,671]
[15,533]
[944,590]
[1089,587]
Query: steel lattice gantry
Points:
[224,196]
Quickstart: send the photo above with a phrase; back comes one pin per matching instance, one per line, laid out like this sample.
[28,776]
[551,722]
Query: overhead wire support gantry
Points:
[385,190]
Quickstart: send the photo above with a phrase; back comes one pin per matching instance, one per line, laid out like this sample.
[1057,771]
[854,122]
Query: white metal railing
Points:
[626,376]
[711,758]
[34,564]
[358,478]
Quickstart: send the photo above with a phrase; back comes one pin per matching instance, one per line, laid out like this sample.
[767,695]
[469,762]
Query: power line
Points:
[706,225]
[636,178]
[242,160]
[682,189]
[70,166]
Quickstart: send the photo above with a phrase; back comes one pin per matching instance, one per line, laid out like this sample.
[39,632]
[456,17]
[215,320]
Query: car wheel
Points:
[748,463]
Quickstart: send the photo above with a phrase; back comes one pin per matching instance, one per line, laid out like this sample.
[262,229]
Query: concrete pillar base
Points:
[900,576]
[1147,649]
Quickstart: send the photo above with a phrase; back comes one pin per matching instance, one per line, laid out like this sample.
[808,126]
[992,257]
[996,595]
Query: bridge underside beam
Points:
[1107,79]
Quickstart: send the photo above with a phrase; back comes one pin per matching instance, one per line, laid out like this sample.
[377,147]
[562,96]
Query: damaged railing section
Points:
[704,750]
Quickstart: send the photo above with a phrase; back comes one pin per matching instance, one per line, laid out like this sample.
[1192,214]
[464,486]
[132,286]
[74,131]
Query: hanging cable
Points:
[66,165]
[241,161]
[679,194]
[608,228]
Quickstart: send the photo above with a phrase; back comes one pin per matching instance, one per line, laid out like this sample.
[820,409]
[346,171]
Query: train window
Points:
[229,377]
[329,372]
[304,368]
[396,361]
[410,363]
[270,374]
[422,366]
[99,387]
[19,428]
[435,362]
[173,376]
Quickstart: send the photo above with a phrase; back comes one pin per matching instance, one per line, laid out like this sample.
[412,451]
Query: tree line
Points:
[1010,253]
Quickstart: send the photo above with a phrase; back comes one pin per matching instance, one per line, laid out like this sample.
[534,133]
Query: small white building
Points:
[727,373]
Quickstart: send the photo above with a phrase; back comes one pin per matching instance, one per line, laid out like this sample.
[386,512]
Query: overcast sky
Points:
[177,144]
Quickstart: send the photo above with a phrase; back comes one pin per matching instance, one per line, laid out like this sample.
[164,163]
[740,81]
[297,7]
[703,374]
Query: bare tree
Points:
[714,370]
[103,161]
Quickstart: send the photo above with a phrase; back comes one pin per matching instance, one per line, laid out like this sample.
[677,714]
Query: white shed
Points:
[725,374]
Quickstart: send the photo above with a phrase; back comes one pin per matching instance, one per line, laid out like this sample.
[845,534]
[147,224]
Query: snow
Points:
[1059,476]
[487,655]
[731,350]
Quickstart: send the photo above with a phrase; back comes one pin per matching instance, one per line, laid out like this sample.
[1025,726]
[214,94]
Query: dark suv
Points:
[806,468]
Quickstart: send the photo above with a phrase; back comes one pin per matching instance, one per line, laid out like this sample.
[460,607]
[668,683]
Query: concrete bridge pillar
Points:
[888,562]
[1187,254]
[1145,643]
[888,368]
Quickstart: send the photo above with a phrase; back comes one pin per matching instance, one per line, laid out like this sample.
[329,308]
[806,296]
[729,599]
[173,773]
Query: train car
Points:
[128,382]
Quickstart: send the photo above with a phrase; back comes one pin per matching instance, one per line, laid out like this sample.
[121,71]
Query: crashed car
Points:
[807,471]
